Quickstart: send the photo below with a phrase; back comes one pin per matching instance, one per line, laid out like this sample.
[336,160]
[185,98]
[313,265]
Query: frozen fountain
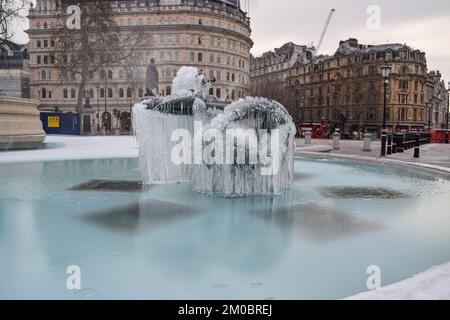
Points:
[238,149]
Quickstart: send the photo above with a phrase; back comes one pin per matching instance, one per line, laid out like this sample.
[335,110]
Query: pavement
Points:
[431,155]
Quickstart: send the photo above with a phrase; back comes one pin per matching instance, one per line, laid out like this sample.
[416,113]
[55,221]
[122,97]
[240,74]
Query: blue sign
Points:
[61,123]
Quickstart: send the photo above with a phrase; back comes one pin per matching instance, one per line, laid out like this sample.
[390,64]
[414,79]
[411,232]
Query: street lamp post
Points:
[448,101]
[448,110]
[87,112]
[430,109]
[385,71]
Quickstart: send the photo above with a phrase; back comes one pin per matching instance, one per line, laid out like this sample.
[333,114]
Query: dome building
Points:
[213,35]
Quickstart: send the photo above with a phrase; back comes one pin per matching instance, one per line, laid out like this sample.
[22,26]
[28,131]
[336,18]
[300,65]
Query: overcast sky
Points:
[424,25]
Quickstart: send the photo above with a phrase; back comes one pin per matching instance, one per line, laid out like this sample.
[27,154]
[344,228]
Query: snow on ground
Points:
[433,284]
[57,147]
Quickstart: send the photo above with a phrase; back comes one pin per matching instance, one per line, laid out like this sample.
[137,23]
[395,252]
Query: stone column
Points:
[367,142]
[308,135]
[336,140]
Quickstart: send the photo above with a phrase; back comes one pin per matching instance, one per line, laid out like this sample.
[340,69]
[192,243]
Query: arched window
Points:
[110,93]
[45,25]
[110,74]
[129,93]
[65,94]
[43,93]
[121,93]
[102,93]
[73,94]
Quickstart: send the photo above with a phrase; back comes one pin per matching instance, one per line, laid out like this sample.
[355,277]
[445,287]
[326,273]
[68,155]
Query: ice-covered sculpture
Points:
[261,133]
[244,148]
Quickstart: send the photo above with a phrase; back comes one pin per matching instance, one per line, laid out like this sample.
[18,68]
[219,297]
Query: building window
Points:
[403,85]
[38,43]
[200,57]
[110,74]
[72,93]
[65,94]
[121,93]
[43,93]
[110,93]
[129,93]
[403,98]
[102,93]
[43,75]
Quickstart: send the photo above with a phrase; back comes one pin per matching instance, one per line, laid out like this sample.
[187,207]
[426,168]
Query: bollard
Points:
[336,139]
[417,152]
[394,149]
[367,142]
[383,145]
[389,144]
[308,135]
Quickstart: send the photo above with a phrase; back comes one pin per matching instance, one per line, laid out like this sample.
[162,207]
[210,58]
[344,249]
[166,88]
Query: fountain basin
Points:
[20,125]
[169,242]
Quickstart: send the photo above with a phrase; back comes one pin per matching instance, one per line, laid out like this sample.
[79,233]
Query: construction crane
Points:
[324,32]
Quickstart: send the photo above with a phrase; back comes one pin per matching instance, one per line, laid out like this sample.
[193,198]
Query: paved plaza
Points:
[430,154]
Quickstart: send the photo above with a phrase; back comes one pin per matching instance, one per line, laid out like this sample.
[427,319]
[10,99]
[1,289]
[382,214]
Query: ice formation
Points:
[256,158]
[270,128]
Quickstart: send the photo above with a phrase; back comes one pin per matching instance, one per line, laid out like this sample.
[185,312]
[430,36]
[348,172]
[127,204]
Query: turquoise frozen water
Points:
[171,243]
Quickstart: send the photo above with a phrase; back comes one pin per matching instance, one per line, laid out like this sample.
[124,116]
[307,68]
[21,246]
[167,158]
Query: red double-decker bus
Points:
[318,130]
[439,136]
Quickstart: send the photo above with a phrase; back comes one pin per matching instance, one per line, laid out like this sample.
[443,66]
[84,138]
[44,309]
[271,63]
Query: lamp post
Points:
[430,109]
[385,72]
[87,112]
[448,101]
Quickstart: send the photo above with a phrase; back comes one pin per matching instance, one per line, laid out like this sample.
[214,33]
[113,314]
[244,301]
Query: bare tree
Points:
[10,10]
[96,45]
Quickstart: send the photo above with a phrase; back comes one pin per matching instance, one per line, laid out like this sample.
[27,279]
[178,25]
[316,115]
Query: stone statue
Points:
[152,79]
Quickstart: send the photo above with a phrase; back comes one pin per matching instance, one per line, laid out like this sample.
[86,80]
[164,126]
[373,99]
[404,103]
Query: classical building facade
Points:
[213,35]
[346,89]
[269,72]
[14,74]
[437,100]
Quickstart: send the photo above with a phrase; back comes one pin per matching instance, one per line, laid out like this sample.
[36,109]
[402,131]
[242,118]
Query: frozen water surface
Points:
[171,242]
